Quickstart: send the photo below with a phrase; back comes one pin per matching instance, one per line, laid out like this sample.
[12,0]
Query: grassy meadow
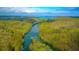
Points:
[11,34]
[58,34]
[62,33]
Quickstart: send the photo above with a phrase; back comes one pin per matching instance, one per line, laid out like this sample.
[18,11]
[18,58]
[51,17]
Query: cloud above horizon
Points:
[45,10]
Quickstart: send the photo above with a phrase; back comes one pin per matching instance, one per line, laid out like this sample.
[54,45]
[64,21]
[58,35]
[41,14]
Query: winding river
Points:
[34,33]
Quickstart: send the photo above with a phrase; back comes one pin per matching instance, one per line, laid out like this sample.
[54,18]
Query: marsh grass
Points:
[11,34]
[62,33]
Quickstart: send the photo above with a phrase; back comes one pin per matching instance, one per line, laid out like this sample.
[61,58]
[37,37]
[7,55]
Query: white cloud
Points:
[32,10]
[37,10]
[28,10]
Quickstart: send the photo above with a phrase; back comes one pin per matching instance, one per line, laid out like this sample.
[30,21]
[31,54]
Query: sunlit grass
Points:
[62,33]
[39,46]
[12,33]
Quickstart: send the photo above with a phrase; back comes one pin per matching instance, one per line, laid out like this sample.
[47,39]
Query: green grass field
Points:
[61,34]
[38,46]
[11,34]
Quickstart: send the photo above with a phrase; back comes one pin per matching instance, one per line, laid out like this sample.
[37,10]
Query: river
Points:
[34,33]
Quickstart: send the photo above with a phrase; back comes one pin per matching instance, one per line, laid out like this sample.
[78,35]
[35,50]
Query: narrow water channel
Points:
[34,33]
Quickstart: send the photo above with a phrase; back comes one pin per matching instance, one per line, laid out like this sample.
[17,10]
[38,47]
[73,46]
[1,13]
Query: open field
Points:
[58,34]
[61,34]
[12,33]
[39,46]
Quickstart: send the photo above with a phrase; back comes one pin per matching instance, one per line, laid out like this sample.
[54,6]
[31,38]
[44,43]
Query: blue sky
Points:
[39,11]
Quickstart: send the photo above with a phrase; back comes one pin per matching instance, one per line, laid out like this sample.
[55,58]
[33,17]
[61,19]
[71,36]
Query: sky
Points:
[39,11]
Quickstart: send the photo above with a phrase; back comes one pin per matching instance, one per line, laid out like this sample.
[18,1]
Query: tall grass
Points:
[11,34]
[63,33]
